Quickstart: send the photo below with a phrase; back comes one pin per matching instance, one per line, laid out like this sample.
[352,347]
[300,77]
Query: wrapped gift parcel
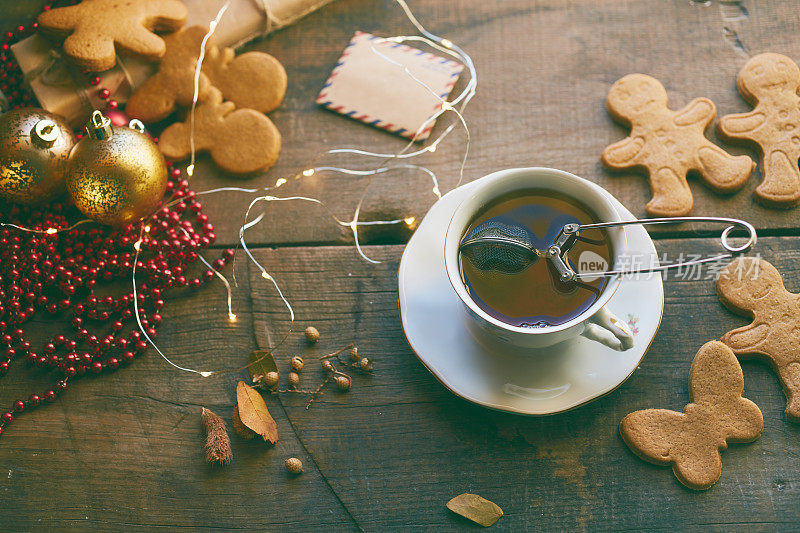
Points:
[246,20]
[63,89]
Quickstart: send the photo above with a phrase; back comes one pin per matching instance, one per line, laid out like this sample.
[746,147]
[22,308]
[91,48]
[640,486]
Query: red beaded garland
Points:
[59,273]
[67,268]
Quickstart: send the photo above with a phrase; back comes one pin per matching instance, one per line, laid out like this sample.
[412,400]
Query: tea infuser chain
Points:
[569,234]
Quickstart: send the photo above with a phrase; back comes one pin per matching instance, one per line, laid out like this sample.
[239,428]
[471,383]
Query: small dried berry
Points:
[365,365]
[354,355]
[270,380]
[343,382]
[294,465]
[297,363]
[327,365]
[312,335]
[294,379]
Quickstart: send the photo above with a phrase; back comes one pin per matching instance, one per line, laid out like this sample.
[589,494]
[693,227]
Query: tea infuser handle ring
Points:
[743,248]
[734,222]
[729,247]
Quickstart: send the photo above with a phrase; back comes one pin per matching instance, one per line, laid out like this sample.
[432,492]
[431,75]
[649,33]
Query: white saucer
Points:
[549,381]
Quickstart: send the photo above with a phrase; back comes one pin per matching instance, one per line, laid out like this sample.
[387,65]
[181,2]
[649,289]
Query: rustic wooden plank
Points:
[125,450]
[399,445]
[20,13]
[544,71]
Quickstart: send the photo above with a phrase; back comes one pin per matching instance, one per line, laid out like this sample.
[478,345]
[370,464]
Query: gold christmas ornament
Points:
[34,150]
[116,175]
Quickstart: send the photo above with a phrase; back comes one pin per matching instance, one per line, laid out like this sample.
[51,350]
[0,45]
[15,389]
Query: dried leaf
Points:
[261,363]
[479,510]
[240,429]
[254,414]
[218,445]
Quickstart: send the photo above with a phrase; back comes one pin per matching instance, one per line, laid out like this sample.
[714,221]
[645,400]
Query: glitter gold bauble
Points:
[116,175]
[34,149]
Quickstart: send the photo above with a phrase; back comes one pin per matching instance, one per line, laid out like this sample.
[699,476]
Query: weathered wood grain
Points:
[544,71]
[124,450]
[399,445]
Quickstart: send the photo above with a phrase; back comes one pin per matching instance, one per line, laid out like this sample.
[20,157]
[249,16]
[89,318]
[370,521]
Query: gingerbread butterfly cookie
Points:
[753,287]
[668,144]
[253,80]
[240,141]
[769,82]
[96,30]
[692,440]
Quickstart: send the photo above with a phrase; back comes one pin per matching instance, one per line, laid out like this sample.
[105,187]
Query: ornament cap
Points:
[45,133]
[137,125]
[99,126]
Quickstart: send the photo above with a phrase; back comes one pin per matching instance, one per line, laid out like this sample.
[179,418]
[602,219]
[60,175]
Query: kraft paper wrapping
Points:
[61,88]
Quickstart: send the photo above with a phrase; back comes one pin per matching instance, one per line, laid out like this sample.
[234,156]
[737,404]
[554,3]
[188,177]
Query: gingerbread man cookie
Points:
[769,82]
[253,80]
[669,144]
[96,30]
[173,84]
[753,287]
[692,440]
[240,141]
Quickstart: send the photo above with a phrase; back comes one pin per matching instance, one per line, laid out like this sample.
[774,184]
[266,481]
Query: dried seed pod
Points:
[239,427]
[327,365]
[218,445]
[294,379]
[312,335]
[354,354]
[343,382]
[294,465]
[365,365]
[271,380]
[296,363]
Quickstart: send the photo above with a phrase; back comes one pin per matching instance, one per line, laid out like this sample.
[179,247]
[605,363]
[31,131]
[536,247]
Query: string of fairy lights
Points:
[389,162]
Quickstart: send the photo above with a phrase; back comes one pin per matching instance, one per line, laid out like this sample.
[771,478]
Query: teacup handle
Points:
[603,322]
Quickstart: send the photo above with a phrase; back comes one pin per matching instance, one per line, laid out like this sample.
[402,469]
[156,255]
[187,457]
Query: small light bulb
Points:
[232,317]
[410,221]
[206,373]
[436,191]
[265,275]
[280,182]
[137,245]
[51,231]
[190,170]
[447,43]
[308,172]
[147,229]
[432,148]
[446,106]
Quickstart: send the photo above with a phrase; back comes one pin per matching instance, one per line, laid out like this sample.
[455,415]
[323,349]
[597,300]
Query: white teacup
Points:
[597,322]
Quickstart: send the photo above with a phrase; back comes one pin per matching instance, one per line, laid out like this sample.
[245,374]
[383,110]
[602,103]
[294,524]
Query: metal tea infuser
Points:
[508,248]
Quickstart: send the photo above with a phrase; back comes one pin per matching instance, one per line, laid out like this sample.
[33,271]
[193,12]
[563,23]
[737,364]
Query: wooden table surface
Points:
[123,451]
